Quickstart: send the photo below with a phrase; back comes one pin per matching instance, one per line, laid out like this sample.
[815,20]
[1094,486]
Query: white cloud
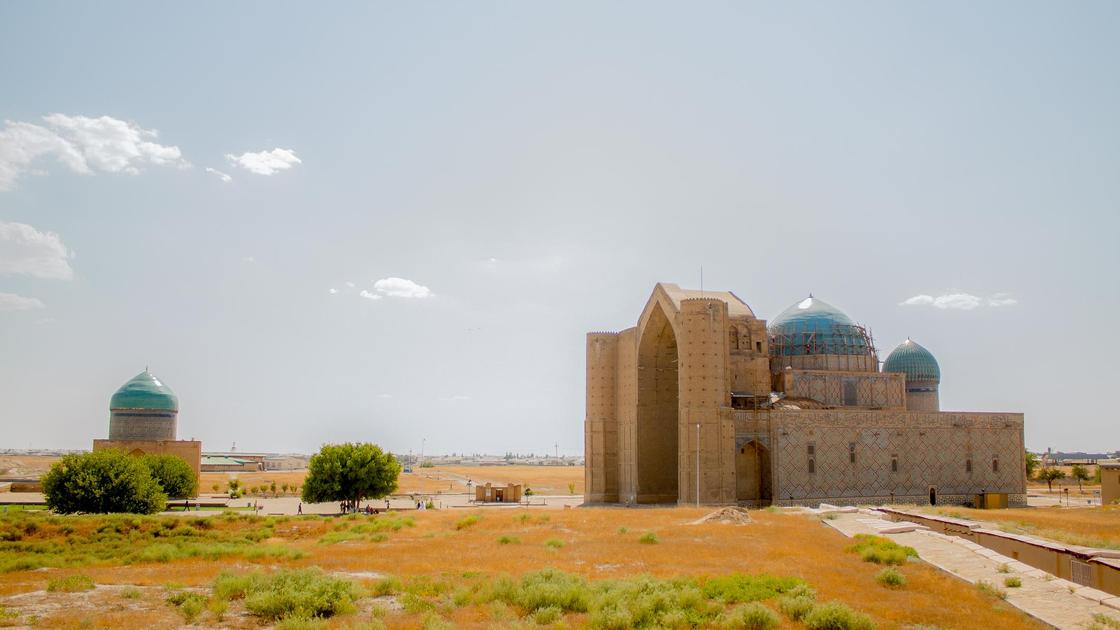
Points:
[11,302]
[83,144]
[917,300]
[384,395]
[265,162]
[1002,299]
[222,176]
[459,397]
[332,291]
[25,250]
[960,301]
[370,296]
[402,288]
[350,284]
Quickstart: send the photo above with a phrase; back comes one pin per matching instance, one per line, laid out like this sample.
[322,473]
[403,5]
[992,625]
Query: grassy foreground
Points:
[600,568]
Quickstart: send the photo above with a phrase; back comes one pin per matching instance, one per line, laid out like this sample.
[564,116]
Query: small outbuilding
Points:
[1110,482]
[510,493]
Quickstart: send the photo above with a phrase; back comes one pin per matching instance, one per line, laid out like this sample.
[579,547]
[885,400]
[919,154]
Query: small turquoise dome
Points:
[914,361]
[813,326]
[144,391]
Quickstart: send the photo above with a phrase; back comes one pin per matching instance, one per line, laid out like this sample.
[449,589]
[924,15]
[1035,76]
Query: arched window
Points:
[733,338]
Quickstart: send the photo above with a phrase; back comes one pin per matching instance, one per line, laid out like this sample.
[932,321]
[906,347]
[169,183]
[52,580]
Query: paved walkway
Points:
[1052,600]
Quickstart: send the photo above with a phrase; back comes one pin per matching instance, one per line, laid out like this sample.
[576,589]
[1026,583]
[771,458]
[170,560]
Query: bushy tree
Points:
[1080,473]
[174,475]
[102,482]
[350,472]
[1031,461]
[1050,475]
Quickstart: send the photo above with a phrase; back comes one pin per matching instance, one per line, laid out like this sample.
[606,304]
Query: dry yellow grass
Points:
[593,547]
[438,479]
[542,479]
[1094,527]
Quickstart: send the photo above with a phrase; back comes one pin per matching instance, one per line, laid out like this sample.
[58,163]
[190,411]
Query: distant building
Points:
[1110,483]
[510,493]
[222,463]
[143,420]
[702,402]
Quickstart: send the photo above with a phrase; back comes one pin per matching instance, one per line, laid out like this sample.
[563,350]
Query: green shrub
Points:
[554,543]
[1101,621]
[70,584]
[435,622]
[509,540]
[891,578]
[622,530]
[752,616]
[836,616]
[388,585]
[990,589]
[288,593]
[796,607]
[466,521]
[131,593]
[217,607]
[1012,582]
[881,550]
[190,605]
[299,622]
[737,588]
[648,538]
[547,615]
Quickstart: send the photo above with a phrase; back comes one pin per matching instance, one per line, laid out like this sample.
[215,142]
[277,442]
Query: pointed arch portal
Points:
[658,408]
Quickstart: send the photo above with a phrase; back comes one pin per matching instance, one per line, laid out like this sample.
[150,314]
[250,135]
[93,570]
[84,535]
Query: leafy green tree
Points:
[272,488]
[1050,475]
[174,475]
[1080,473]
[350,472]
[1031,461]
[102,482]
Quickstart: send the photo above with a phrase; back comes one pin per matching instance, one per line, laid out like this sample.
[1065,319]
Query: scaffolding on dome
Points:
[842,339]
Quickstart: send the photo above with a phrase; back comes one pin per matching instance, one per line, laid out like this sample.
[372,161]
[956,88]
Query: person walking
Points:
[299,508]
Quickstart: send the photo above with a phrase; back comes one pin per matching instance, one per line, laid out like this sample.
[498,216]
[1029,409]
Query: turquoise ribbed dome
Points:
[144,391]
[813,326]
[914,361]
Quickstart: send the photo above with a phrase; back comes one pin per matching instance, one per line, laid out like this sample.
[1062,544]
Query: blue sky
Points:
[480,184]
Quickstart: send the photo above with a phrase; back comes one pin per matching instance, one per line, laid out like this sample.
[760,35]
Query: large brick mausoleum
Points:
[702,402]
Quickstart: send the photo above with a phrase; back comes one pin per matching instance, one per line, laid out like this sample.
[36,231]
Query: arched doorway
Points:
[932,495]
[658,390]
[752,467]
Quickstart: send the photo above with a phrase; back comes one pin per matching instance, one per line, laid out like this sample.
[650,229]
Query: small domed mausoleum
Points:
[144,420]
[144,408]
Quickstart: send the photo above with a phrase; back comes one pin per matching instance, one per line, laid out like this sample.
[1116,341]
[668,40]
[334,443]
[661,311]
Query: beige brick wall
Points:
[931,450]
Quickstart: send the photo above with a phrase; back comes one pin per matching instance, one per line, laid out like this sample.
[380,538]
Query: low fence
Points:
[1087,566]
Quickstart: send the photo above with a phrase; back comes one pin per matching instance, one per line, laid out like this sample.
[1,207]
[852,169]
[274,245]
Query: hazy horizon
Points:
[396,223]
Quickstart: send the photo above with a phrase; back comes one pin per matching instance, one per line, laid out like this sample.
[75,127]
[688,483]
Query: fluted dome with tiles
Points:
[923,374]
